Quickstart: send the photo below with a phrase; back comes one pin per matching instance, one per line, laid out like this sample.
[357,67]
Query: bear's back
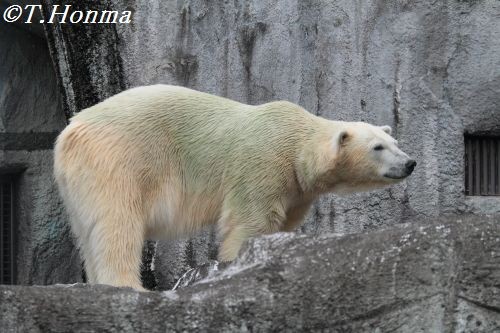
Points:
[200,129]
[150,100]
[181,110]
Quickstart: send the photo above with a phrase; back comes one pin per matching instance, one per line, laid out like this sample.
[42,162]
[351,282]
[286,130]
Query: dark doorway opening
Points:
[7,230]
[482,165]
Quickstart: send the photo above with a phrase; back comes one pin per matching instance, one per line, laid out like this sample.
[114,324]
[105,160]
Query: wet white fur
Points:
[162,162]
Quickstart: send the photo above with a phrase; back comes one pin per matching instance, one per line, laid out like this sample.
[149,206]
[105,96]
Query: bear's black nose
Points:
[410,165]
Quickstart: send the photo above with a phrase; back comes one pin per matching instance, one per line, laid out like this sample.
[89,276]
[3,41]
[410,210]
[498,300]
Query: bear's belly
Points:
[175,214]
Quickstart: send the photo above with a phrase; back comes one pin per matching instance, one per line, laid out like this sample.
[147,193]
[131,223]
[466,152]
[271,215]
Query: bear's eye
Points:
[378,147]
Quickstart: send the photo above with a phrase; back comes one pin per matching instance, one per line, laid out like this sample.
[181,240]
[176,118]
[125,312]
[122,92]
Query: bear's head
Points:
[367,157]
[359,157]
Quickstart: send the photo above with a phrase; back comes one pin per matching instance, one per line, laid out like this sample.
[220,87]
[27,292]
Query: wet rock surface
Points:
[439,276]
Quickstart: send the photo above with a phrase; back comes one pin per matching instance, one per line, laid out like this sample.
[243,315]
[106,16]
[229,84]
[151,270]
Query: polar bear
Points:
[161,162]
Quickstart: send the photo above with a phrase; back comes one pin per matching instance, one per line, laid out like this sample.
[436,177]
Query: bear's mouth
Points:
[394,176]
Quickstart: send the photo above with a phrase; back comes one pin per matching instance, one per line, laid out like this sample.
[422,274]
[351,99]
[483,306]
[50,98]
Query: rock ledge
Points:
[434,276]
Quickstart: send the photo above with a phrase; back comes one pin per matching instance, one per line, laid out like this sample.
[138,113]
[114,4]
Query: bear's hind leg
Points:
[81,229]
[88,264]
[116,243]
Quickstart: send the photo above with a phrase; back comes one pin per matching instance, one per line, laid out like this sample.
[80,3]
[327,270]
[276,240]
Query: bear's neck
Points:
[315,164]
[311,183]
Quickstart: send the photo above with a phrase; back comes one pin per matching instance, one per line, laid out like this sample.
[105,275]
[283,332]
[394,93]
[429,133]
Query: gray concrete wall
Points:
[429,69]
[30,117]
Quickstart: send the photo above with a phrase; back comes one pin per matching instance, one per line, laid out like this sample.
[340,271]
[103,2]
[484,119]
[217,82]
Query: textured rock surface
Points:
[30,118]
[29,99]
[429,69]
[201,272]
[426,277]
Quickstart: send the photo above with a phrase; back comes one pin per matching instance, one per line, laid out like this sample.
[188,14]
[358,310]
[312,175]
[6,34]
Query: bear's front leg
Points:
[295,216]
[236,229]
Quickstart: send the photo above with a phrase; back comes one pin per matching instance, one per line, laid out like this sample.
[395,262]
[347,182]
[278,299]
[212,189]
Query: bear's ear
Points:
[343,136]
[338,140]
[387,129]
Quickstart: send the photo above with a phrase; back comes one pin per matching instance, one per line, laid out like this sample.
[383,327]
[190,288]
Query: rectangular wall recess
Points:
[7,231]
[482,165]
